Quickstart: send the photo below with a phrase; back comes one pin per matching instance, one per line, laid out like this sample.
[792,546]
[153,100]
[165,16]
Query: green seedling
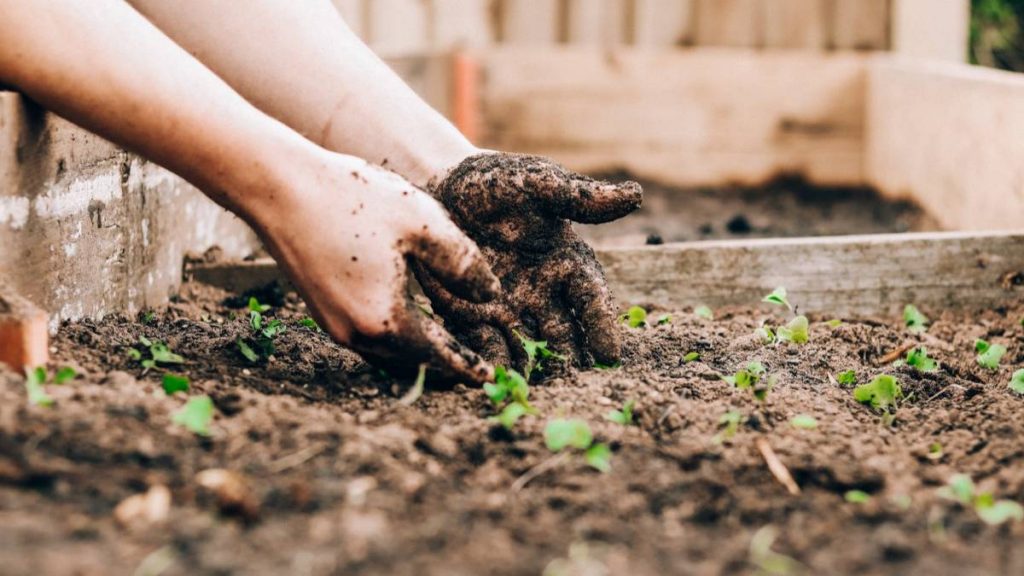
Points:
[196,415]
[35,378]
[767,561]
[778,298]
[795,331]
[765,334]
[624,416]
[989,355]
[308,322]
[635,317]
[914,320]
[537,352]
[704,312]
[175,383]
[600,366]
[918,358]
[255,306]
[1017,382]
[730,424]
[991,511]
[847,378]
[691,357]
[148,317]
[416,391]
[261,343]
[510,414]
[834,323]
[509,387]
[883,393]
[663,320]
[754,378]
[935,451]
[857,497]
[560,434]
[65,375]
[159,353]
[804,422]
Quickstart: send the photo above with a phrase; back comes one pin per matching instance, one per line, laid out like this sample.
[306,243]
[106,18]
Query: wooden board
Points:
[735,23]
[851,275]
[702,116]
[949,136]
[795,24]
[663,23]
[860,25]
[529,22]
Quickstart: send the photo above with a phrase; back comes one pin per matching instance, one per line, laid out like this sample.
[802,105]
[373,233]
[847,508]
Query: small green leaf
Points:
[148,317]
[148,364]
[804,422]
[834,323]
[857,497]
[935,451]
[64,375]
[847,378]
[918,358]
[624,416]
[796,331]
[134,354]
[496,393]
[981,345]
[34,380]
[308,322]
[882,393]
[914,320]
[730,425]
[989,355]
[600,366]
[765,334]
[537,352]
[959,488]
[561,433]
[175,383]
[196,415]
[145,341]
[247,351]
[704,312]
[1017,382]
[599,457]
[1000,512]
[635,317]
[664,320]
[691,357]
[163,355]
[255,306]
[511,414]
[255,320]
[778,297]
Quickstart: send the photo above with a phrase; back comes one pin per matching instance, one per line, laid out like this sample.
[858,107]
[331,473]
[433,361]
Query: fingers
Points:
[557,326]
[596,313]
[592,201]
[454,259]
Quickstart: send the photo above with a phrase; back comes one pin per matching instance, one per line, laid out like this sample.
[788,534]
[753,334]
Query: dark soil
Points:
[786,207]
[337,477]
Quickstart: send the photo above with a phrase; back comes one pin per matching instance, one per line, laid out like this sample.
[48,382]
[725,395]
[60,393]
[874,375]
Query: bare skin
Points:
[342,229]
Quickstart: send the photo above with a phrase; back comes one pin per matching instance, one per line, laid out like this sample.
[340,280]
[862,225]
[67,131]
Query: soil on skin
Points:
[349,481]
[786,207]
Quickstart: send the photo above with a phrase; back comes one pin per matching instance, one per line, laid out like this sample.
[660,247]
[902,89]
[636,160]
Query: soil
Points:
[330,474]
[785,207]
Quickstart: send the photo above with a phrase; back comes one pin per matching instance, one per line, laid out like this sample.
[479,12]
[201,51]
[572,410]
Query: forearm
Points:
[299,62]
[103,66]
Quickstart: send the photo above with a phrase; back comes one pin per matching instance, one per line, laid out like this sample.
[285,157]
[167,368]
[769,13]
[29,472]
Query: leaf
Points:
[635,317]
[175,383]
[64,375]
[857,497]
[624,416]
[834,323]
[247,351]
[196,415]
[691,357]
[255,321]
[778,297]
[704,312]
[148,364]
[599,457]
[663,320]
[148,317]
[255,306]
[730,424]
[765,334]
[990,356]
[882,393]
[935,451]
[310,323]
[496,393]
[600,366]
[511,414]
[416,391]
[145,341]
[804,422]
[959,488]
[981,346]
[134,354]
[1017,382]
[847,378]
[918,358]
[536,352]
[561,433]
[163,355]
[1000,512]
[34,380]
[795,331]
[914,320]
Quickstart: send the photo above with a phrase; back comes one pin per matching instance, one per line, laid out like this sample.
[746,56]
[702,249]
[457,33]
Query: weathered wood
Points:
[529,22]
[949,136]
[795,24]
[851,275]
[730,23]
[860,24]
[397,27]
[933,29]
[663,23]
[692,117]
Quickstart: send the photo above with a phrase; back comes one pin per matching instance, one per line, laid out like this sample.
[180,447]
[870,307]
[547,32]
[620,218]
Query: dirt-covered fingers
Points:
[557,326]
[588,294]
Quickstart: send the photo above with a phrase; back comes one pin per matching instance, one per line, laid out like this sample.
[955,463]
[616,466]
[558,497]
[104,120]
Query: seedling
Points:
[935,451]
[255,306]
[159,353]
[914,320]
[416,391]
[730,424]
[196,415]
[691,357]
[847,378]
[918,358]
[635,317]
[600,366]
[778,298]
[511,387]
[510,414]
[537,352]
[148,317]
[857,497]
[834,323]
[624,416]
[308,322]
[882,393]
[1017,382]
[991,511]
[804,422]
[261,343]
[755,378]
[765,334]
[989,355]
[175,383]
[766,560]
[664,320]
[560,434]
[795,331]
[704,312]
[65,375]
[36,379]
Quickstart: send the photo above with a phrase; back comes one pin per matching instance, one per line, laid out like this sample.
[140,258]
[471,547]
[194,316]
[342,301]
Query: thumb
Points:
[455,260]
[590,201]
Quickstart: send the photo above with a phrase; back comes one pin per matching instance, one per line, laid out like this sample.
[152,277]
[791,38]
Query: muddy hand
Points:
[346,242]
[518,209]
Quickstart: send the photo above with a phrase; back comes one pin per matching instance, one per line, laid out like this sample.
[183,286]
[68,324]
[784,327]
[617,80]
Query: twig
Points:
[895,354]
[777,468]
[294,459]
[532,473]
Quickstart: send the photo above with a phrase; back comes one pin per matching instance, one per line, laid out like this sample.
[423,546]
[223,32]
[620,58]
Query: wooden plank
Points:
[795,24]
[948,136]
[663,23]
[460,24]
[860,25]
[529,22]
[693,117]
[397,27]
[730,23]
[837,276]
[933,29]
[354,14]
[597,22]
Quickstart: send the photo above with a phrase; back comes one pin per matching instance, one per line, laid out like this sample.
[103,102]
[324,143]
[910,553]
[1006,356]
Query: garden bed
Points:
[341,477]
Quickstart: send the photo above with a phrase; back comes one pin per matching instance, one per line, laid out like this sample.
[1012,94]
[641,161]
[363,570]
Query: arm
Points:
[341,229]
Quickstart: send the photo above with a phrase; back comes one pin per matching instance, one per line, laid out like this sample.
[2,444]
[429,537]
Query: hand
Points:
[517,208]
[344,234]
